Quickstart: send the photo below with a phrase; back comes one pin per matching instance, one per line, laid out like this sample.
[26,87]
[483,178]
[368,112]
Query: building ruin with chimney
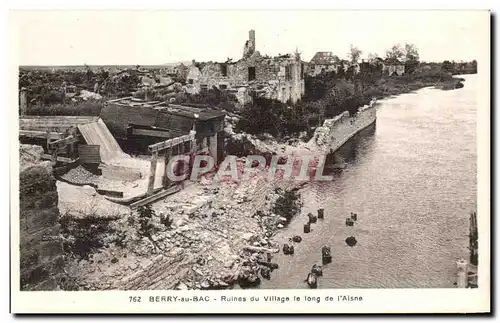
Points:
[280,78]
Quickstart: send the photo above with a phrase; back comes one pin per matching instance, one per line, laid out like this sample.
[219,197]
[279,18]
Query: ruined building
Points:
[324,62]
[280,78]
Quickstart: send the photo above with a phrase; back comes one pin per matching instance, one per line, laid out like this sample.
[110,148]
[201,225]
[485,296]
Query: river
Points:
[412,181]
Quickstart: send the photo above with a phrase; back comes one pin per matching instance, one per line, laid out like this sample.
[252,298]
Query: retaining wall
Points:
[40,246]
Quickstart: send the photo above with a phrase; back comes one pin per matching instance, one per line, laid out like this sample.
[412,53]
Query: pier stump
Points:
[307,228]
[321,213]
[312,218]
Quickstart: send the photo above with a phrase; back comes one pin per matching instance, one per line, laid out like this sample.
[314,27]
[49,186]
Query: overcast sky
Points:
[158,37]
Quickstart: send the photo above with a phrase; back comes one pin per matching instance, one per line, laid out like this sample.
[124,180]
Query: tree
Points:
[447,66]
[411,53]
[354,54]
[372,58]
[396,52]
[411,58]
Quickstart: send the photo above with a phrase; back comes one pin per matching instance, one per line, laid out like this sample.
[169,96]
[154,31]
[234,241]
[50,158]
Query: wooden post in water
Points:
[321,213]
[462,273]
[152,173]
[473,248]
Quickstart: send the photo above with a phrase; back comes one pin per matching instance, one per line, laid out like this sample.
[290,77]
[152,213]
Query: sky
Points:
[159,37]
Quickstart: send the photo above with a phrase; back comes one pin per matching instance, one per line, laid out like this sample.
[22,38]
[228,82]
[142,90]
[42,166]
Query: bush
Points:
[84,108]
[86,235]
[261,116]
[288,204]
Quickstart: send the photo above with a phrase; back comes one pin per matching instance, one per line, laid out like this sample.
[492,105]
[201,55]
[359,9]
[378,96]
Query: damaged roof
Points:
[191,112]
[185,111]
[325,58]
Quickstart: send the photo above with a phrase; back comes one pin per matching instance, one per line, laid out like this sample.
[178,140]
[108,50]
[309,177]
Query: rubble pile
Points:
[220,234]
[29,155]
[80,176]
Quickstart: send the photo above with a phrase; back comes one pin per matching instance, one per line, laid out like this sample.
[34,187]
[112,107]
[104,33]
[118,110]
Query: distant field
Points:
[66,67]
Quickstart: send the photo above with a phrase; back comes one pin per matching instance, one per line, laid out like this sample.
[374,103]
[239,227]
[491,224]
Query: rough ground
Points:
[206,245]
[203,248]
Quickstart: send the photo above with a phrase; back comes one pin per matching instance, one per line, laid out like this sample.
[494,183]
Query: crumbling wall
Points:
[336,131]
[40,246]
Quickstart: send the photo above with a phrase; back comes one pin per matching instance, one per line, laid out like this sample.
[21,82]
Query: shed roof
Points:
[185,111]
[191,112]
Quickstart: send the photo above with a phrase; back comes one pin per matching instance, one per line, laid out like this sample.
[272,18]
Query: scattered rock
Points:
[182,286]
[297,239]
[205,284]
[248,236]
[265,272]
[282,220]
[222,284]
[280,226]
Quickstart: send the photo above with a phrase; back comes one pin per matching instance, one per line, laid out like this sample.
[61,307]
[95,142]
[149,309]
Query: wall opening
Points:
[251,73]
[223,69]
[288,73]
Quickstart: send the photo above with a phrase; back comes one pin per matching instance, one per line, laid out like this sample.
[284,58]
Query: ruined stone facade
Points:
[393,67]
[323,62]
[280,78]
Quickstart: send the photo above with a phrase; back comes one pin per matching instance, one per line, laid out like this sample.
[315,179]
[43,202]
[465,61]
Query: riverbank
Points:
[221,232]
[412,185]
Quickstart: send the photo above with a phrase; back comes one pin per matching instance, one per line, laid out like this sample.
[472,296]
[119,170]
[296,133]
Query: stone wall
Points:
[40,246]
[337,131]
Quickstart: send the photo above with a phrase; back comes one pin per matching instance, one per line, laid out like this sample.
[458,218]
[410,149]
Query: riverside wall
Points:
[337,131]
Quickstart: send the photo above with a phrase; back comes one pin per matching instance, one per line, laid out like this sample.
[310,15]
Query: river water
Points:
[412,181]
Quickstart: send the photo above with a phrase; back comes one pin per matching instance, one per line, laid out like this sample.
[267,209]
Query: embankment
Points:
[337,131]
